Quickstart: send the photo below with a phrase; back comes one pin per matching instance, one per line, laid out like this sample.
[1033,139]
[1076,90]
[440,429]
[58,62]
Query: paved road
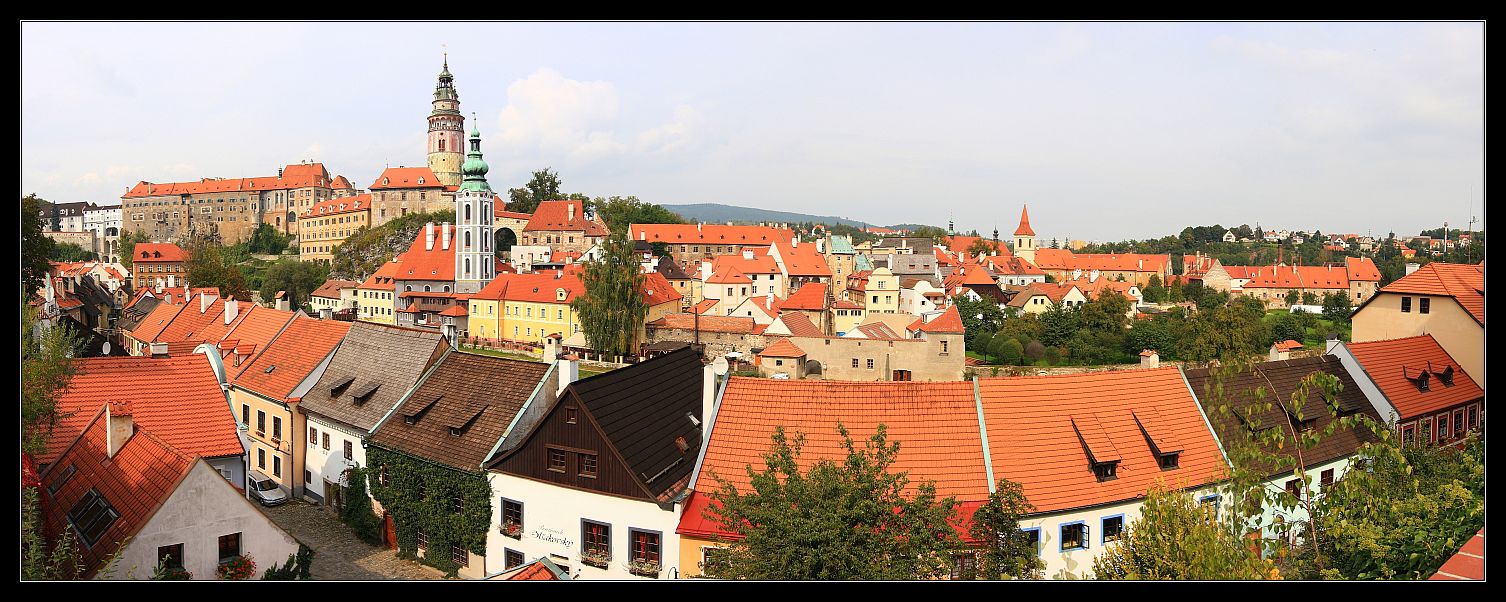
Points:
[338,554]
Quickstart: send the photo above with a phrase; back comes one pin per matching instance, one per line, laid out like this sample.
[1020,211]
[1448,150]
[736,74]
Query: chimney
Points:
[698,226]
[794,242]
[1412,267]
[120,426]
[326,313]
[205,300]
[1332,343]
[1076,274]
[643,234]
[444,236]
[159,350]
[570,211]
[1093,276]
[282,301]
[748,254]
[429,236]
[569,371]
[1149,358]
[551,349]
[232,308]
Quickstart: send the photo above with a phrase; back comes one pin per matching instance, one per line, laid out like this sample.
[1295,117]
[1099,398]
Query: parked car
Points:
[265,490]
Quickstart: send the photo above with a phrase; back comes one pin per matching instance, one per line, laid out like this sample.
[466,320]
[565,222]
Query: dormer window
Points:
[454,431]
[386,181]
[1168,461]
[1447,376]
[1105,470]
[421,179]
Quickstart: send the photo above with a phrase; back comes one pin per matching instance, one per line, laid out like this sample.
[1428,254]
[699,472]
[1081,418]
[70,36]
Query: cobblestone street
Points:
[338,554]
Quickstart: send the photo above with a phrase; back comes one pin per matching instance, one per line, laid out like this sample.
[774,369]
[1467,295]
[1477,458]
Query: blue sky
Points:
[1108,130]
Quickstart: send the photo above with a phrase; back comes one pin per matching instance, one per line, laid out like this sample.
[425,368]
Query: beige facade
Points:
[319,234]
[271,438]
[388,204]
[938,358]
[1453,327]
[881,294]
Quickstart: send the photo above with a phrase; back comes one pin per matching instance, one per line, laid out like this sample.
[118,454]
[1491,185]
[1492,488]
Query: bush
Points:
[357,511]
[1034,351]
[297,566]
[1012,352]
[1053,355]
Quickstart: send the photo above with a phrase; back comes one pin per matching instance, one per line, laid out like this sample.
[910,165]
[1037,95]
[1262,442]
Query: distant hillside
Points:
[716,212]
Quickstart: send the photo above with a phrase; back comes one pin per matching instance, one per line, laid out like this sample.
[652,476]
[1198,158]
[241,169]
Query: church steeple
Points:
[475,167]
[1024,237]
[446,127]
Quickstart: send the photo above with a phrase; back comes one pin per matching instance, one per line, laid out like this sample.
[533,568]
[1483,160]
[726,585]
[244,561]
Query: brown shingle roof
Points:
[372,354]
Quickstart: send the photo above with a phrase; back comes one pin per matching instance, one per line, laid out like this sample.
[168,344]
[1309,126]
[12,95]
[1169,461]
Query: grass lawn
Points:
[1316,337]
[584,370]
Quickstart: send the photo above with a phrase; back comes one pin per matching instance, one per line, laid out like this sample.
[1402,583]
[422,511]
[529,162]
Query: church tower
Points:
[474,260]
[446,125]
[1024,237]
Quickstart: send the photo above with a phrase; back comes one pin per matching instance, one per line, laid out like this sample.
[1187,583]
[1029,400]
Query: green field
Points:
[1315,336]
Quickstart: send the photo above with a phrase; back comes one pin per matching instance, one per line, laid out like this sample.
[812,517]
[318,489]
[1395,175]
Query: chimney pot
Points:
[120,426]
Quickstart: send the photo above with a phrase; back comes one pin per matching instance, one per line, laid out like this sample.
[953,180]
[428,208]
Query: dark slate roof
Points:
[478,393]
[921,244]
[670,269]
[90,340]
[390,358]
[641,410]
[1280,379]
[131,317]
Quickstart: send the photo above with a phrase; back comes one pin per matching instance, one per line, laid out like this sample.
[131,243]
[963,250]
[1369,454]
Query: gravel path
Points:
[338,554]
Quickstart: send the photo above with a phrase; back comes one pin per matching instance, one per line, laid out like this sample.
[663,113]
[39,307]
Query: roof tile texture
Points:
[292,356]
[1464,282]
[390,356]
[1384,361]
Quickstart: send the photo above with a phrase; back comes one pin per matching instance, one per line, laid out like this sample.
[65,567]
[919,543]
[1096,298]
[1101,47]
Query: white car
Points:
[265,490]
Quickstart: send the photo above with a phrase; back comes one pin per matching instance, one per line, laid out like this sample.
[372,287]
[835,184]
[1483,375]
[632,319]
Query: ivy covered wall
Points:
[421,495]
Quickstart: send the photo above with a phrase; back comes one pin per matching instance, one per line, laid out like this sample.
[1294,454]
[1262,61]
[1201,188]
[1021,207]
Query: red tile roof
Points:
[783,348]
[340,183]
[1305,276]
[944,258]
[704,306]
[1024,229]
[331,288]
[406,177]
[968,274]
[437,263]
[709,234]
[178,398]
[498,210]
[936,424]
[758,261]
[810,297]
[555,216]
[948,321]
[151,326]
[338,206]
[728,324]
[152,252]
[1288,345]
[1062,259]
[1394,364]
[727,274]
[802,259]
[534,287]
[1464,282]
[1468,564]
[1011,265]
[1032,440]
[657,289]
[292,356]
[294,176]
[799,325]
[136,481]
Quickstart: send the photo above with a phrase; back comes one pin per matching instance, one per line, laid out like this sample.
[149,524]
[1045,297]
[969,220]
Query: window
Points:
[1074,536]
[261,422]
[1458,422]
[91,516]
[349,450]
[557,460]
[854,362]
[597,540]
[1210,505]
[570,415]
[170,556]
[870,363]
[457,503]
[1408,433]
[1422,305]
[964,567]
[1473,416]
[1105,470]
[261,458]
[1168,461]
[1033,536]
[588,465]
[230,547]
[423,541]
[511,559]
[276,466]
[62,479]
[245,414]
[313,436]
[944,346]
[1294,487]
[1113,528]
[901,375]
[512,518]
[778,362]
[1442,427]
[644,545]
[382,476]
[1327,478]
[1427,428]
[1406,305]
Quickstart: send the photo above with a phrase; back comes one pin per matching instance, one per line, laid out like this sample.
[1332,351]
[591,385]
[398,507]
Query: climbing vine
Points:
[421,495]
[357,509]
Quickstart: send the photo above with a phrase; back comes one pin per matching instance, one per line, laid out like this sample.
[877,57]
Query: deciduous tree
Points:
[1006,553]
[1178,539]
[612,310]
[36,248]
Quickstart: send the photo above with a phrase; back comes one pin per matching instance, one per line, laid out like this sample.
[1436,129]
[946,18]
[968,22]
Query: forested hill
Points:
[716,212]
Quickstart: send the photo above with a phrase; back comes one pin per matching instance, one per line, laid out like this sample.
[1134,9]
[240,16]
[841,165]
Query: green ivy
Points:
[420,495]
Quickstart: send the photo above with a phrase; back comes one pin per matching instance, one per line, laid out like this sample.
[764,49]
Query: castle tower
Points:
[446,125]
[474,260]
[1024,237]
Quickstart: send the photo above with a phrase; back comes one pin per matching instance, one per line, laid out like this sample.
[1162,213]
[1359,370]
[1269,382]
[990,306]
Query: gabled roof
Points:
[136,482]
[382,279]
[1464,282]
[178,398]
[1362,268]
[437,263]
[671,270]
[149,327]
[801,260]
[406,177]
[947,321]
[841,245]
[150,252]
[1280,379]
[556,216]
[390,357]
[704,306]
[758,261]
[799,325]
[935,422]
[727,274]
[533,287]
[1033,442]
[1395,365]
[1011,265]
[331,288]
[657,289]
[711,234]
[484,391]
[783,348]
[280,366]
[728,324]
[1305,276]
[300,175]
[340,183]
[810,297]
[1062,259]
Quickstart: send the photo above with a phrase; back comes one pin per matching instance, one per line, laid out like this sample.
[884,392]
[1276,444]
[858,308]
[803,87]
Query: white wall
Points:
[330,463]
[203,508]
[1078,563]
[552,527]
[233,468]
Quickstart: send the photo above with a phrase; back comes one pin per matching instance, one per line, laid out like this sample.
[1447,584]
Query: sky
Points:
[1108,131]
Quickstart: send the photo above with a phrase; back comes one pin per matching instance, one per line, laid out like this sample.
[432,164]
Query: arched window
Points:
[446,288]
[467,267]
[408,288]
[441,147]
[467,213]
[427,289]
[468,237]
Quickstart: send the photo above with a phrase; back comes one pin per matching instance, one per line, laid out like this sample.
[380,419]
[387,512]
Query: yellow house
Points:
[375,298]
[527,308]
[328,223]
[1441,299]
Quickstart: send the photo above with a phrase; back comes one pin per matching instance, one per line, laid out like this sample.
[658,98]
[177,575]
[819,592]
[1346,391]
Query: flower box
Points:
[596,559]
[511,529]
[644,568]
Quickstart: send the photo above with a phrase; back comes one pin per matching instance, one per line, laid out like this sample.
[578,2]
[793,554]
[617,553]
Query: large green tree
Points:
[208,268]
[36,248]
[68,251]
[1007,553]
[851,519]
[127,245]
[982,315]
[46,366]
[613,308]
[298,279]
[1175,538]
[620,212]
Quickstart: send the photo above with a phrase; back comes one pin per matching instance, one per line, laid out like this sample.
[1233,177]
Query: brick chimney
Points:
[120,426]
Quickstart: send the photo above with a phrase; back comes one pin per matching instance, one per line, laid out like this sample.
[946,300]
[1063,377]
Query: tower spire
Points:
[475,167]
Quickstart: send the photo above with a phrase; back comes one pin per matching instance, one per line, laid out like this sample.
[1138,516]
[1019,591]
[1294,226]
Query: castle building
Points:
[445,127]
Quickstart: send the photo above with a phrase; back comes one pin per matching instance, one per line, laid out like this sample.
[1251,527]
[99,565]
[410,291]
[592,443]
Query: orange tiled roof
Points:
[338,206]
[799,325]
[1394,364]
[1062,259]
[728,324]
[1464,282]
[556,216]
[178,398]
[704,306]
[189,324]
[291,357]
[1288,345]
[136,481]
[1012,265]
[1024,229]
[710,234]
[535,287]
[1304,276]
[1468,564]
[948,321]
[406,177]
[152,252]
[150,327]
[943,258]
[1032,439]
[802,259]
[331,288]
[760,262]
[657,289]
[783,348]
[936,423]
[340,183]
[382,279]
[437,263]
[1093,288]
[294,176]
[810,297]
[727,274]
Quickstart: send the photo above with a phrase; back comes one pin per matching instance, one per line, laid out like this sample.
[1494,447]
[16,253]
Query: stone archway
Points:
[505,239]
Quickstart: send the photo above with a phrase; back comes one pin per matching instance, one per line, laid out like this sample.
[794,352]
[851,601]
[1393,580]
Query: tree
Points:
[612,310]
[620,212]
[46,366]
[1007,552]
[981,342]
[982,247]
[1309,298]
[1010,351]
[1155,291]
[544,186]
[1291,297]
[1035,351]
[982,315]
[1107,313]
[1336,307]
[298,279]
[1227,332]
[853,520]
[1059,323]
[67,251]
[1175,538]
[207,268]
[267,240]
[36,248]
[127,245]
[936,234]
[1287,327]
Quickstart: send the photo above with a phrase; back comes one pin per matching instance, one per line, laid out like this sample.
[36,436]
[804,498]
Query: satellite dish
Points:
[105,349]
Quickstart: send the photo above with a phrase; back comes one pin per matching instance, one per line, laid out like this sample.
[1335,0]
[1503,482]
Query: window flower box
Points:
[237,569]
[595,558]
[644,568]
[511,529]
